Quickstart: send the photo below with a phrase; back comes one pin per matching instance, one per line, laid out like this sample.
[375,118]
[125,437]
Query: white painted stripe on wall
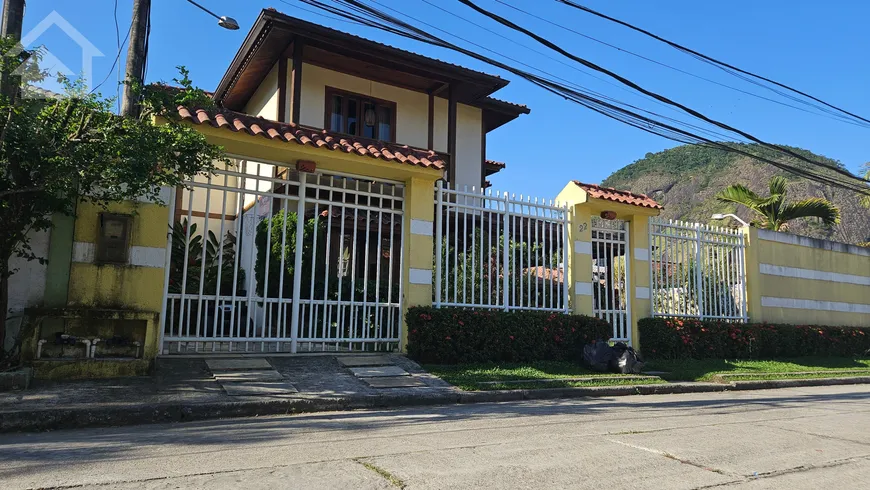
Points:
[422,227]
[811,304]
[420,276]
[584,248]
[776,236]
[778,270]
[641,292]
[148,256]
[84,252]
[641,254]
[583,289]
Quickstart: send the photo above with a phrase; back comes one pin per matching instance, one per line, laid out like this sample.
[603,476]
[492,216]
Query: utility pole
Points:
[135,72]
[13,18]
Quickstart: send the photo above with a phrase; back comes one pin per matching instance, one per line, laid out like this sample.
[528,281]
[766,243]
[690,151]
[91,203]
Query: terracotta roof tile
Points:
[611,194]
[521,107]
[318,138]
[495,163]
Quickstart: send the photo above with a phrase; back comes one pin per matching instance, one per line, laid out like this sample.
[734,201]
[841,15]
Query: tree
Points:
[55,152]
[774,212]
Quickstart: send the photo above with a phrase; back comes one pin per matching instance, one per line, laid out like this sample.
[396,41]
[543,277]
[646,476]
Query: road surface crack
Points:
[385,474]
[673,457]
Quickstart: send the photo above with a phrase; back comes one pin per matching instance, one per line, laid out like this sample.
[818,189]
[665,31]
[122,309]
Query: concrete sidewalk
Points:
[185,390]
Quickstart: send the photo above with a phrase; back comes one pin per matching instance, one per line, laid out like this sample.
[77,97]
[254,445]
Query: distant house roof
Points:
[314,137]
[611,194]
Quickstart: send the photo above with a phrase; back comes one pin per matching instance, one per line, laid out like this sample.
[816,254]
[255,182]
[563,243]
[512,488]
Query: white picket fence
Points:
[499,251]
[697,271]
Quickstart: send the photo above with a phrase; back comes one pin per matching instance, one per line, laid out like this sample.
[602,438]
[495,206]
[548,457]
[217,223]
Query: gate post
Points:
[417,248]
[580,258]
[639,255]
[579,267]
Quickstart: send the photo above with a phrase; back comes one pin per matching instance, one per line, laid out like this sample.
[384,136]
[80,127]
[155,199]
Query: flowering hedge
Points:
[457,335]
[663,338]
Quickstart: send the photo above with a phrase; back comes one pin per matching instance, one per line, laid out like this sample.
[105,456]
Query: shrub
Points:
[458,335]
[664,338]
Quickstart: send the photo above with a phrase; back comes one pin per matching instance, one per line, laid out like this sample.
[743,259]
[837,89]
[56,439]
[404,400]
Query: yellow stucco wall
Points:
[264,102]
[799,280]
[412,115]
[128,286]
[583,208]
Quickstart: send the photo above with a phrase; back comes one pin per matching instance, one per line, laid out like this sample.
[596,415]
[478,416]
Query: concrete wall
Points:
[801,280]
[137,285]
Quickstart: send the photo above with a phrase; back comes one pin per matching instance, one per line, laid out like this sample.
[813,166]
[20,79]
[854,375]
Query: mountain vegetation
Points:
[687,179]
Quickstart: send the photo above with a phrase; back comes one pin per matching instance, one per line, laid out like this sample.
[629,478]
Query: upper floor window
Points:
[358,115]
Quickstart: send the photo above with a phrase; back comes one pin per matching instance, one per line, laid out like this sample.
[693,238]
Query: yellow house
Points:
[347,134]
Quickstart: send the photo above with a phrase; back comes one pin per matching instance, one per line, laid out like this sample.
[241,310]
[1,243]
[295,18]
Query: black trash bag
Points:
[625,360]
[598,356]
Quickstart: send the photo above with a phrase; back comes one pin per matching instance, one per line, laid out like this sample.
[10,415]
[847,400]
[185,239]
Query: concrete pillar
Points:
[579,265]
[418,246]
[639,273]
[753,275]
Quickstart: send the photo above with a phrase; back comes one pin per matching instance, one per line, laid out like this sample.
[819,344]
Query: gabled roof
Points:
[274,34]
[317,138]
[625,197]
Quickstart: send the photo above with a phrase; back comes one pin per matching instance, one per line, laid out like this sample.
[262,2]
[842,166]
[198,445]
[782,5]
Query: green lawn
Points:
[550,374]
[797,368]
[504,376]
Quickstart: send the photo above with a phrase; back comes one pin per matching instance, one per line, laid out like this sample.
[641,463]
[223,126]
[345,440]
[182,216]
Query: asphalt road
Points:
[790,438]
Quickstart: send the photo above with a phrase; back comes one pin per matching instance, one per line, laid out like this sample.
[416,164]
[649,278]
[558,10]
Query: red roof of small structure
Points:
[611,194]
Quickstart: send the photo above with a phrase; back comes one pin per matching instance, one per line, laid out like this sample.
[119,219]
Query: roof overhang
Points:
[274,34]
[497,113]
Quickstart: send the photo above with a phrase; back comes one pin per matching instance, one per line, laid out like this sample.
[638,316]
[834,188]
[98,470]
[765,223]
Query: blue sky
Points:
[818,47]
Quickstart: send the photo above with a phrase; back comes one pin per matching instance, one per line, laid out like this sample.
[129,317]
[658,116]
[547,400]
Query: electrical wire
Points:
[555,77]
[650,93]
[383,21]
[819,111]
[115,62]
[727,67]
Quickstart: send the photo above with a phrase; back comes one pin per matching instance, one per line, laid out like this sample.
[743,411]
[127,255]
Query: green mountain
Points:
[686,179]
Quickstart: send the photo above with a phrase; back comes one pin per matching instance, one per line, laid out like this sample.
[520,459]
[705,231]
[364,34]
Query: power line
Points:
[569,82]
[820,111]
[650,93]
[710,59]
[381,20]
[115,62]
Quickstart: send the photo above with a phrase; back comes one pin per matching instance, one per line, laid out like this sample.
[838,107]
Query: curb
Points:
[77,418]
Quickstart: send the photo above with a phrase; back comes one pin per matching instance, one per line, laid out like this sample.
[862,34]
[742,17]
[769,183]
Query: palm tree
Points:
[773,211]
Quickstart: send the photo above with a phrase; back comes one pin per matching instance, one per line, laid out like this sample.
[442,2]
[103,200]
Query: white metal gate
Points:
[498,251]
[610,273]
[239,280]
[697,271]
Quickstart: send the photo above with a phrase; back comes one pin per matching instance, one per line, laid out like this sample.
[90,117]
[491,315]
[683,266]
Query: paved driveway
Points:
[790,438]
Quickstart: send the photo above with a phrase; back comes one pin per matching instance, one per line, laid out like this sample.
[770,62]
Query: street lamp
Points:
[723,216]
[225,22]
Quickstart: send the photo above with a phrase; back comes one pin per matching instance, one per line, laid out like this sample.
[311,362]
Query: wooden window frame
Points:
[361,100]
